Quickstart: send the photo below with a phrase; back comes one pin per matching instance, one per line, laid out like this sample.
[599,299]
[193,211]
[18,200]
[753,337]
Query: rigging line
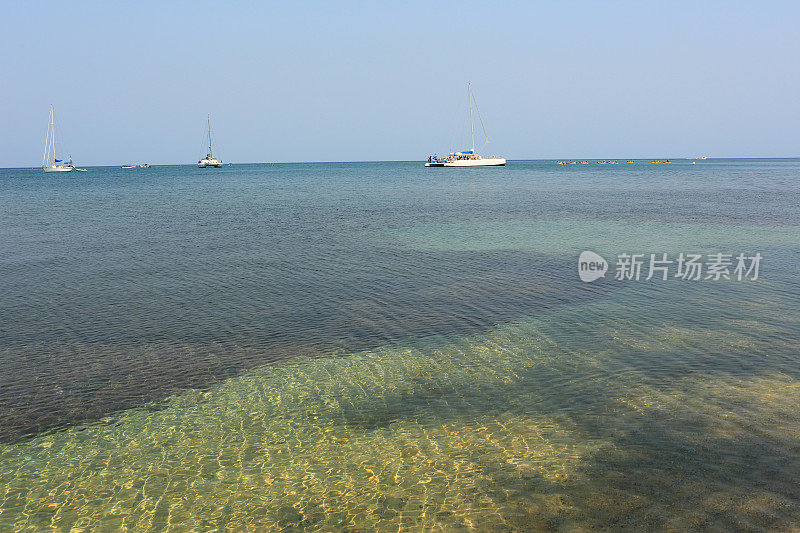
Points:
[204,143]
[478,112]
[47,138]
[59,140]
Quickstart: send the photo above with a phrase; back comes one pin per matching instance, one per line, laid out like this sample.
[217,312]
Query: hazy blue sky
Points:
[308,81]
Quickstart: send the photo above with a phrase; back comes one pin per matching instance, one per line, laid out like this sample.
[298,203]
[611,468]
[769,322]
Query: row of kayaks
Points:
[603,162]
[586,162]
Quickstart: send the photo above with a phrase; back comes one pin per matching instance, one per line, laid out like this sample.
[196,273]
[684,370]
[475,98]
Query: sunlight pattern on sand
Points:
[466,432]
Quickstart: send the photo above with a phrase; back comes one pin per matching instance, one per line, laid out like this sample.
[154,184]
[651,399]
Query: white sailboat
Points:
[468,158]
[49,161]
[209,160]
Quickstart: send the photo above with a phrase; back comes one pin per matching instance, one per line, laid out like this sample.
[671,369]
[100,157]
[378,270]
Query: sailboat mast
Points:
[471,120]
[209,135]
[53,137]
[50,140]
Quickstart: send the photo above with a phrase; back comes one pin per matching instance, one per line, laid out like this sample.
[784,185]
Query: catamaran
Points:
[209,160]
[468,158]
[49,161]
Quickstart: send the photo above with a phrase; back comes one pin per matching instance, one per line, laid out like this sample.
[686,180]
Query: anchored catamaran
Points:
[49,161]
[209,160]
[468,158]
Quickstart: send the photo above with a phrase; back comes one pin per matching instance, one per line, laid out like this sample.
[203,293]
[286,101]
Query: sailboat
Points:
[49,161]
[209,160]
[468,158]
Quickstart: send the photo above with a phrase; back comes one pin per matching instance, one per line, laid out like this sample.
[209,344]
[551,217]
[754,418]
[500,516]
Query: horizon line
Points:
[411,161]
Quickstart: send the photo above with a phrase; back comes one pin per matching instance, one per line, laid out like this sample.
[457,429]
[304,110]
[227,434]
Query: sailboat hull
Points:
[482,162]
[55,168]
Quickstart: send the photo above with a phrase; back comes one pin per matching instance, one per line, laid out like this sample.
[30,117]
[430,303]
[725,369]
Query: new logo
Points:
[591,266]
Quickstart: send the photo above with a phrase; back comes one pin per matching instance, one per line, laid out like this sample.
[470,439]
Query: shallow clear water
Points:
[375,345]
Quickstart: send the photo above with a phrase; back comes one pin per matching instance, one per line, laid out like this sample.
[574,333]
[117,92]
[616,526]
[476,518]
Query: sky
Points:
[363,81]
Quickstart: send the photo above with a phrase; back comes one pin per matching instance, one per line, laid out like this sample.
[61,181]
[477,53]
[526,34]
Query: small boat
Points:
[146,165]
[630,162]
[466,158]
[128,166]
[209,160]
[584,162]
[80,170]
[49,161]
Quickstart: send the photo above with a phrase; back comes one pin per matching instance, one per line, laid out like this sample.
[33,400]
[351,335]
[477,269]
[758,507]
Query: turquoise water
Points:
[378,346]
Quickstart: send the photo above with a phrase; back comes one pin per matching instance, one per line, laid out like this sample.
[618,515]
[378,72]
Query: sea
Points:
[384,346]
